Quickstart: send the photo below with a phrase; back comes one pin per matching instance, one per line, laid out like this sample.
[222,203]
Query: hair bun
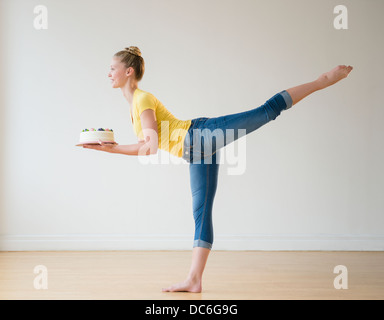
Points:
[134,50]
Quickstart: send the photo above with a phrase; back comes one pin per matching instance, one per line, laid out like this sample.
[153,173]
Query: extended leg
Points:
[325,80]
[215,133]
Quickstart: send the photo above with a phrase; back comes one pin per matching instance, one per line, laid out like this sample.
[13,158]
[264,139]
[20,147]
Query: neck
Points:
[128,90]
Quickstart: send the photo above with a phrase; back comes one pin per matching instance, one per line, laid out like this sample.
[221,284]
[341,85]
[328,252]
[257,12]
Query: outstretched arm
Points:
[138,149]
[325,80]
[146,147]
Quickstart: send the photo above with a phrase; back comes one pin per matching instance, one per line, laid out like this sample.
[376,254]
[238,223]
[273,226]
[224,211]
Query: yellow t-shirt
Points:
[171,131]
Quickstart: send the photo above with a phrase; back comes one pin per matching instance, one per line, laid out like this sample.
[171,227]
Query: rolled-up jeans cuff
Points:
[287,98]
[202,244]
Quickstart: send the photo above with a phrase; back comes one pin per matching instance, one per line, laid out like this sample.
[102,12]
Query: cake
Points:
[92,136]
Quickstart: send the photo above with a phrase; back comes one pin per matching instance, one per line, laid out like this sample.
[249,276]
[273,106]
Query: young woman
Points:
[186,138]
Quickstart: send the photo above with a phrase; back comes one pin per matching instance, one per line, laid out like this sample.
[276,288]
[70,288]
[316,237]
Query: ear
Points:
[129,71]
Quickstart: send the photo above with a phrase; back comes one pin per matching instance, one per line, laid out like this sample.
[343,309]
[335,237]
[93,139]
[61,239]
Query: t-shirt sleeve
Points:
[147,101]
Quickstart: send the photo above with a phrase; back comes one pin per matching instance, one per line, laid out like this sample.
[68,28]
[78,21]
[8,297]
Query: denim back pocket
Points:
[194,138]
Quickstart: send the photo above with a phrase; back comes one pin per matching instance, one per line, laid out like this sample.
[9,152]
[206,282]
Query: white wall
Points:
[313,179]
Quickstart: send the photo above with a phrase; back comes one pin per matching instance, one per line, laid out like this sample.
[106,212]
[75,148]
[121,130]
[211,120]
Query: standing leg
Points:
[193,283]
[203,181]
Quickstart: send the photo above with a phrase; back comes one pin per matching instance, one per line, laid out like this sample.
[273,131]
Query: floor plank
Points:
[229,275]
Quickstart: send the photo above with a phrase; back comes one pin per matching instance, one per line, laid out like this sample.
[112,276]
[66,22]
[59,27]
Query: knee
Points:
[274,106]
[271,111]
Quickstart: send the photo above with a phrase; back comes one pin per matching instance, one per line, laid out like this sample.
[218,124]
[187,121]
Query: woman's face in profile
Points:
[118,73]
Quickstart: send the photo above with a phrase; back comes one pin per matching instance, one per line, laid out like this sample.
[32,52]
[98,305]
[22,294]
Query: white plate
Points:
[92,142]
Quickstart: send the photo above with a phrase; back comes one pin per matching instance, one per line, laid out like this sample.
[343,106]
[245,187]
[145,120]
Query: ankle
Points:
[321,83]
[194,278]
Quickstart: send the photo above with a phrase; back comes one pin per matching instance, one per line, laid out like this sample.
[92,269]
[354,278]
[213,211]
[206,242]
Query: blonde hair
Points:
[131,57]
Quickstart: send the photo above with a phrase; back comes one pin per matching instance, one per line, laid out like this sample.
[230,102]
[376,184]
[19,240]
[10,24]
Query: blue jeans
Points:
[204,139]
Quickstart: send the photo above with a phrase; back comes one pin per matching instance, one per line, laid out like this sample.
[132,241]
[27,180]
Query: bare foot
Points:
[335,75]
[186,286]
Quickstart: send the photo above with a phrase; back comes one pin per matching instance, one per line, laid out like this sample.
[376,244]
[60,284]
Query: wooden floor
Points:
[229,275]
